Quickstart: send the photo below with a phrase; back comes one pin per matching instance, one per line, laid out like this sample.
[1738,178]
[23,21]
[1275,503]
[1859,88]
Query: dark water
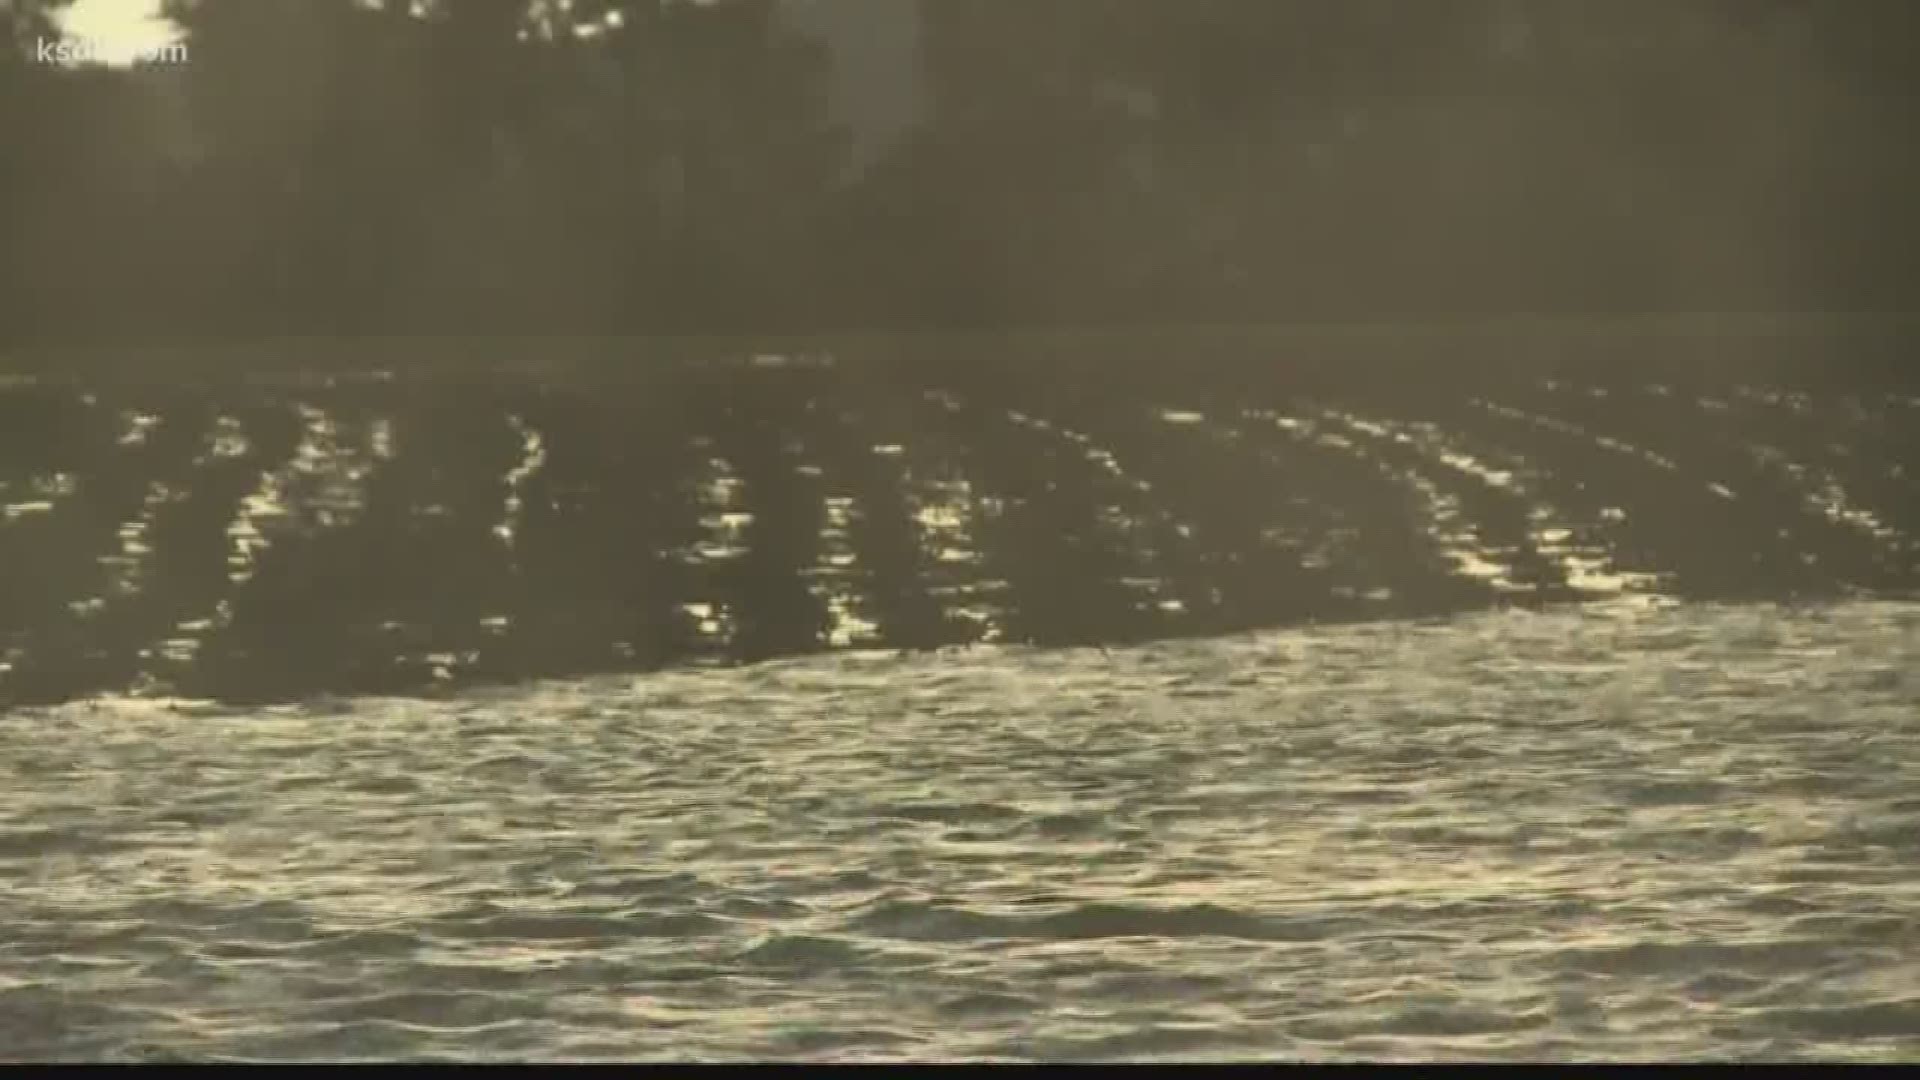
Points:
[271,538]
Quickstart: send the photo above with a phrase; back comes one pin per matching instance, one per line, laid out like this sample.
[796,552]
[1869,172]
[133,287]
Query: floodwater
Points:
[1614,831]
[275,540]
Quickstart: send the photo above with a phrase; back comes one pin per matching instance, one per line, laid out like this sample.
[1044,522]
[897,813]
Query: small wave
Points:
[987,1003]
[929,922]
[948,813]
[1197,920]
[1673,793]
[1255,875]
[1684,958]
[495,924]
[823,1040]
[439,1011]
[1167,1040]
[1877,1020]
[910,921]
[361,942]
[802,952]
[673,885]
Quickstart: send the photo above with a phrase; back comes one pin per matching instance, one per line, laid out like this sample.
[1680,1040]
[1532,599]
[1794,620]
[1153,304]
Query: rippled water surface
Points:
[1591,833]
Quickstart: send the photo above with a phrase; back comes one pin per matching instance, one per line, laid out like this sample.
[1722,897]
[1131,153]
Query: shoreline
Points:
[1310,343]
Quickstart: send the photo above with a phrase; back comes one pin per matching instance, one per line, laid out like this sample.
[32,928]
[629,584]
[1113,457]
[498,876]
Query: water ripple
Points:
[1588,833]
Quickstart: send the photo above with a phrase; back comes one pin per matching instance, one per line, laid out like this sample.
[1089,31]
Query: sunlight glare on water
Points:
[1619,834]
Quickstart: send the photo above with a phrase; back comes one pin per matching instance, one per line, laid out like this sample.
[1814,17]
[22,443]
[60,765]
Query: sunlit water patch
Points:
[1553,532]
[35,495]
[952,516]
[724,520]
[1564,427]
[325,486]
[1579,834]
[944,511]
[833,581]
[1125,528]
[533,458]
[1435,516]
[1825,494]
[1447,523]
[322,486]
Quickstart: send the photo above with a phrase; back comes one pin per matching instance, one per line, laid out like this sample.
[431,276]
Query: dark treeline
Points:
[360,167]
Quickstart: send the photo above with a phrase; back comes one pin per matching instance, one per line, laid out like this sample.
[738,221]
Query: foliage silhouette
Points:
[378,167]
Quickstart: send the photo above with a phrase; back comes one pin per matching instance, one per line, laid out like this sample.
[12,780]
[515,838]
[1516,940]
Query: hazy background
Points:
[1532,689]
[348,167]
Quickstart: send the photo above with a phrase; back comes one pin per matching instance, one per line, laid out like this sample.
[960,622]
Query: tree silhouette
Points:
[356,167]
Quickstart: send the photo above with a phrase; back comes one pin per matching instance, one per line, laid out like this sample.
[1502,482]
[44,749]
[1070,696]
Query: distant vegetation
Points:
[351,167]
